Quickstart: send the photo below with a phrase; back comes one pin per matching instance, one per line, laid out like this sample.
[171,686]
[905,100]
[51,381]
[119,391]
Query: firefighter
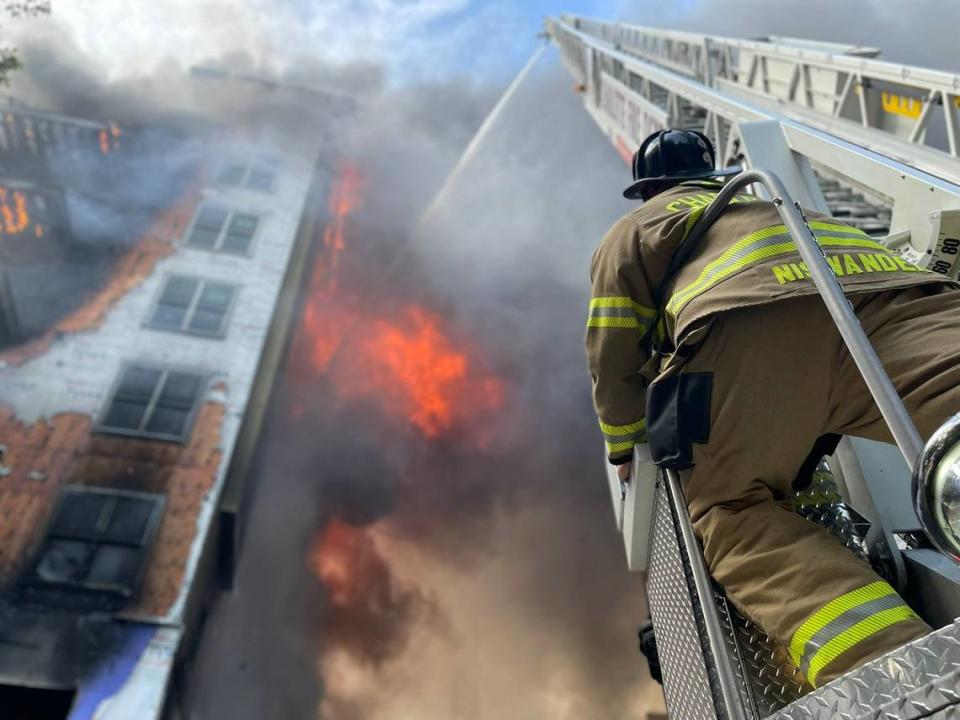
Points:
[731,368]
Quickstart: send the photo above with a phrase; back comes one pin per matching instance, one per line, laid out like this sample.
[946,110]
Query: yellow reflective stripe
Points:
[859,632]
[622,429]
[691,221]
[678,298]
[617,322]
[622,302]
[831,611]
[725,265]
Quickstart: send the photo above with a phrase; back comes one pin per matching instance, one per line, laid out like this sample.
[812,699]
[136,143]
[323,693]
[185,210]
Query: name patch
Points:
[845,265]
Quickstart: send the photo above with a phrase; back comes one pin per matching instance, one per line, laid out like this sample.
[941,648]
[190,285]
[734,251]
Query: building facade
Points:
[129,416]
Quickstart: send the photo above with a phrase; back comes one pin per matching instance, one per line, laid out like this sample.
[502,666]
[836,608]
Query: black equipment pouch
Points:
[678,415]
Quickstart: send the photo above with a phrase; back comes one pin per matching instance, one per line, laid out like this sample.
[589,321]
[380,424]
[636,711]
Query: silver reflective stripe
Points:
[843,623]
[637,436]
[619,312]
[615,312]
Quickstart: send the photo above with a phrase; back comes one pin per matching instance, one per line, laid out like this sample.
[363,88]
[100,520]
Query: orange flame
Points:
[403,358]
[15,217]
[109,138]
[333,560]
[419,373]
[344,199]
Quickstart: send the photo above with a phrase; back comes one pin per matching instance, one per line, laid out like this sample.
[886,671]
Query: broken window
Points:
[97,540]
[194,306]
[260,173]
[153,402]
[221,230]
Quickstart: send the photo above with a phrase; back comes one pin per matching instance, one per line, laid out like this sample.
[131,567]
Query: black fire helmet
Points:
[674,155]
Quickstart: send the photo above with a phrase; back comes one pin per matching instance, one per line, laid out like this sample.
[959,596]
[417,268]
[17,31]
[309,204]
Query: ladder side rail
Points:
[868,157]
[902,90]
[846,57]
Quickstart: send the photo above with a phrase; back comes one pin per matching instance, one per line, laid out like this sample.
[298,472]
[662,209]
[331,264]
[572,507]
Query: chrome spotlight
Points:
[936,488]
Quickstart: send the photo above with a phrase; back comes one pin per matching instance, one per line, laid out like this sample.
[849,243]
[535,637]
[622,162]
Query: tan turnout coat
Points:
[746,258]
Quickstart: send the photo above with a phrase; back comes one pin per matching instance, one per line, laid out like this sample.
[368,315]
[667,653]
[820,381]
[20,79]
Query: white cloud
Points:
[414,38]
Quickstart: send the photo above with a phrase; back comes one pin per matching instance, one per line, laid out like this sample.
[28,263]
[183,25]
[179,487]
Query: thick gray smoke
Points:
[503,592]
[486,581]
[489,583]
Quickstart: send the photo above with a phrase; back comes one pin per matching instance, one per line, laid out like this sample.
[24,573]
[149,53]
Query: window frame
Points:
[98,540]
[258,161]
[191,308]
[165,370]
[217,249]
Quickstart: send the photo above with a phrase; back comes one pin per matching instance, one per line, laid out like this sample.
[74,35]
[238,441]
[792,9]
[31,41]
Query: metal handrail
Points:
[878,382]
[844,58]
[891,407]
[918,160]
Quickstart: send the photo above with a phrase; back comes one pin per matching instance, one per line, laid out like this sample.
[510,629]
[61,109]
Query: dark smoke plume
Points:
[488,581]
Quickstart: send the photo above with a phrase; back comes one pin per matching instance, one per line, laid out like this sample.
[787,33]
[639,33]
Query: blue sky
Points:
[437,39]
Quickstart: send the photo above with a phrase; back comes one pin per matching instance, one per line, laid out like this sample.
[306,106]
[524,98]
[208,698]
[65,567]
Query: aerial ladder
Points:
[835,129]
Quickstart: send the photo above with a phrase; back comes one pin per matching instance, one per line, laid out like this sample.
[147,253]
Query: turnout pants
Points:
[781,378]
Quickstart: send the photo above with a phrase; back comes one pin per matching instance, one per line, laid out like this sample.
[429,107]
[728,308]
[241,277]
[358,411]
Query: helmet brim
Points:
[633,191]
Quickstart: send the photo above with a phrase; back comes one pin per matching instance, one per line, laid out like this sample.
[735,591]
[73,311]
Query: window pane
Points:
[231,174]
[207,321]
[168,421]
[129,520]
[64,561]
[179,291]
[215,296]
[114,566]
[211,217]
[132,397]
[181,390]
[125,415]
[78,514]
[235,244]
[169,316]
[201,238]
[243,224]
[138,383]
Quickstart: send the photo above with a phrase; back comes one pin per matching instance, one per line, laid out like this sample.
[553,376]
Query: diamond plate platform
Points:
[919,680]
[915,681]
[686,685]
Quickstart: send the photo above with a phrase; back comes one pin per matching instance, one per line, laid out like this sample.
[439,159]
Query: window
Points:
[191,305]
[257,174]
[153,402]
[221,230]
[97,540]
